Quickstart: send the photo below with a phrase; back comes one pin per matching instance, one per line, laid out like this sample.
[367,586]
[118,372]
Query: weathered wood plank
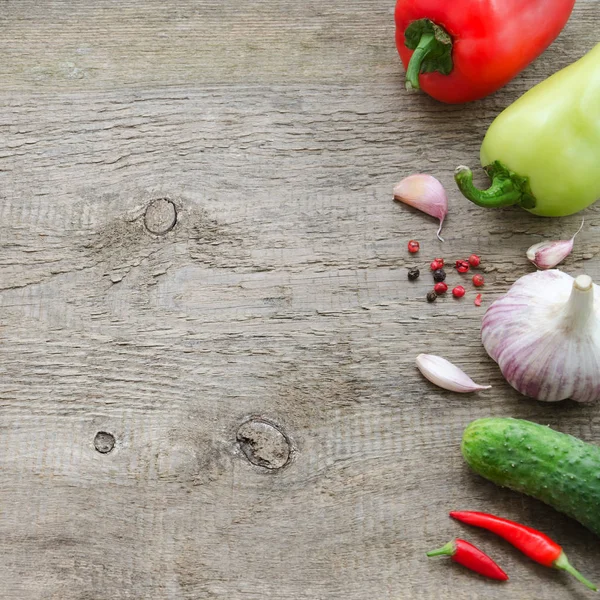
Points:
[279,293]
[78,44]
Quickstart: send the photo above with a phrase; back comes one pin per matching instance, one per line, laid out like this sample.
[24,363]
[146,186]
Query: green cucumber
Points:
[558,469]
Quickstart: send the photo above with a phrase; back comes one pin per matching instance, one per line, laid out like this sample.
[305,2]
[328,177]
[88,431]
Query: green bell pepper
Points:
[543,151]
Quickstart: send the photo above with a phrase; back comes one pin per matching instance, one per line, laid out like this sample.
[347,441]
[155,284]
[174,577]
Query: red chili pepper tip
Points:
[458,291]
[478,280]
[534,544]
[413,246]
[474,260]
[478,300]
[471,557]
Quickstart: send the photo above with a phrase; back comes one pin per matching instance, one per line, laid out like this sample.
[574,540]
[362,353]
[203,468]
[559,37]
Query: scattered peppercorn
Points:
[440,288]
[435,265]
[413,274]
[440,261]
[462,266]
[478,300]
[458,291]
[439,275]
[431,297]
[413,246]
[478,280]
[474,260]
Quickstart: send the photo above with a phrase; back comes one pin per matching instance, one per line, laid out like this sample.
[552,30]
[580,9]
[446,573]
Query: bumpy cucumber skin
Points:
[556,468]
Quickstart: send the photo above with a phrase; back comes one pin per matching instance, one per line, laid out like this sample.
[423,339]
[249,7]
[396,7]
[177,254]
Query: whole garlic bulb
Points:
[545,336]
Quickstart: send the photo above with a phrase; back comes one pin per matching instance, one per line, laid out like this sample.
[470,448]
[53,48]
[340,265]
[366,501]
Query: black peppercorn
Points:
[431,297]
[414,274]
[439,275]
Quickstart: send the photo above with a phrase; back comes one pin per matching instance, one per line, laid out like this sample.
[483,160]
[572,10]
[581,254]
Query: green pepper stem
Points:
[562,562]
[426,44]
[502,191]
[448,550]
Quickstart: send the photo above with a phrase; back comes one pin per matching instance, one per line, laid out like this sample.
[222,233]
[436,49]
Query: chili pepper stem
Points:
[502,191]
[426,44]
[448,550]
[562,563]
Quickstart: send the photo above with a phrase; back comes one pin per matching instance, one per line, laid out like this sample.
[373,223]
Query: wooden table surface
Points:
[203,267]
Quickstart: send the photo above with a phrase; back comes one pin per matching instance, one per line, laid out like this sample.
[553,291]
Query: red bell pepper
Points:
[463,50]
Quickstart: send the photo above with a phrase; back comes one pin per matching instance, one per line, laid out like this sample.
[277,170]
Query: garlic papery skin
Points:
[446,375]
[426,194]
[545,336]
[546,255]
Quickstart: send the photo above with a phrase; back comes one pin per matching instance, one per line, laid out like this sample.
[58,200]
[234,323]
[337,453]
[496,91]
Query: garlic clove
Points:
[546,255]
[446,375]
[426,194]
[545,336]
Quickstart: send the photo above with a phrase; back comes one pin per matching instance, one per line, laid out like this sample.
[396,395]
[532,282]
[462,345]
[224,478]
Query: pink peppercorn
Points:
[478,300]
[462,266]
[474,260]
[478,280]
[458,291]
[440,288]
[413,246]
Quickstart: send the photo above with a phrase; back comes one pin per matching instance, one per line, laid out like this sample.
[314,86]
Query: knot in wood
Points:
[264,444]
[104,442]
[160,217]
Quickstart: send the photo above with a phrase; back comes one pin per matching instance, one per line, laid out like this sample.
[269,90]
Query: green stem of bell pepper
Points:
[507,188]
[432,47]
[426,43]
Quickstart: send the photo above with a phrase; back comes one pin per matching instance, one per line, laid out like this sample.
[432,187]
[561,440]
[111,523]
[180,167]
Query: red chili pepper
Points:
[471,557]
[534,544]
[466,49]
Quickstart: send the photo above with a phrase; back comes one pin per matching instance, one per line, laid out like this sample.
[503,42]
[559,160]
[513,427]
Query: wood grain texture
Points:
[276,129]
